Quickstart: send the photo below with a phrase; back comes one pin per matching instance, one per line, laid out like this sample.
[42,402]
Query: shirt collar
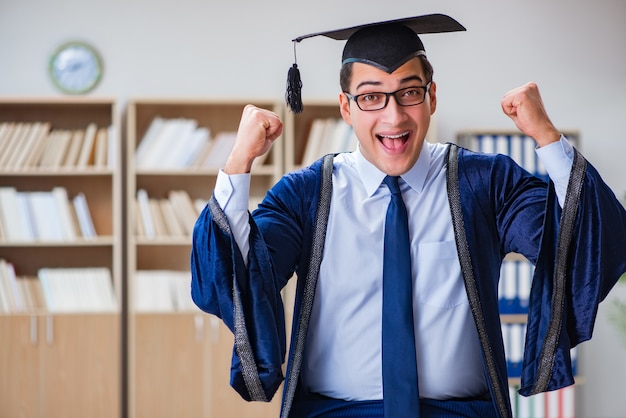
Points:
[372,177]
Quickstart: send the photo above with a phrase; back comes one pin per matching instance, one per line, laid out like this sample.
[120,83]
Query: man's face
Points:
[390,138]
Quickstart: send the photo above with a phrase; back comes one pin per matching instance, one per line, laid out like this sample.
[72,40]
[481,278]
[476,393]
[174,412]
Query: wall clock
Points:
[75,67]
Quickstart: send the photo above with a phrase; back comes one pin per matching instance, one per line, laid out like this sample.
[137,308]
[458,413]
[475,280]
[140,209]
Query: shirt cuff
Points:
[557,159]
[232,192]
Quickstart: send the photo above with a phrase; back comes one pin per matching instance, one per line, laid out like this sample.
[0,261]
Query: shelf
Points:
[64,360]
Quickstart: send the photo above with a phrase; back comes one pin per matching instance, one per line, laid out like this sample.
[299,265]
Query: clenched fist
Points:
[258,129]
[525,107]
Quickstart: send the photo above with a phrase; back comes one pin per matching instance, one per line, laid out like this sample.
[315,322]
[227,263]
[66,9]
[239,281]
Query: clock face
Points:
[75,68]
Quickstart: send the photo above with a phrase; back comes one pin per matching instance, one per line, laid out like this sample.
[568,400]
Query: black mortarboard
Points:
[386,45]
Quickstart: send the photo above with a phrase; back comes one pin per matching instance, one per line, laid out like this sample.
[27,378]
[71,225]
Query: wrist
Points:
[548,137]
[235,165]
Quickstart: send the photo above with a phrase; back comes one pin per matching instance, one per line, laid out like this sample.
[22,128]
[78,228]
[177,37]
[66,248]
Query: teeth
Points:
[395,136]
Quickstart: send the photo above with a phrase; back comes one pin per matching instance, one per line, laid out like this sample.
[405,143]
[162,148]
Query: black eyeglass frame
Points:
[355,98]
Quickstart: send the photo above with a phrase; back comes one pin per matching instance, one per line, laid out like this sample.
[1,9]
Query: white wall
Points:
[574,50]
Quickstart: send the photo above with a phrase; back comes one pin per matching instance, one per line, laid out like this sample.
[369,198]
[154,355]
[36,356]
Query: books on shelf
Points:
[326,136]
[18,294]
[520,147]
[514,286]
[11,299]
[179,143]
[163,291]
[556,404]
[37,145]
[84,289]
[77,289]
[43,216]
[173,216]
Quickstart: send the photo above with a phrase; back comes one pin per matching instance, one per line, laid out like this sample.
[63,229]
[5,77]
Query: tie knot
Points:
[392,183]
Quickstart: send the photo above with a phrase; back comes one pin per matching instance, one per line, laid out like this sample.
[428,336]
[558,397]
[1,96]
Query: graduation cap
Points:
[386,45]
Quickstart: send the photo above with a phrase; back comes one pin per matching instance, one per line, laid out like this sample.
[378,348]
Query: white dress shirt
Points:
[343,353]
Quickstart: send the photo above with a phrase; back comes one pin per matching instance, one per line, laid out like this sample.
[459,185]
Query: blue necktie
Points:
[400,390]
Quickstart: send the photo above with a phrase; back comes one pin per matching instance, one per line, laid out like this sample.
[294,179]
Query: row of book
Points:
[44,216]
[520,147]
[514,287]
[327,136]
[556,404]
[163,291]
[171,216]
[514,336]
[37,145]
[56,290]
[180,143]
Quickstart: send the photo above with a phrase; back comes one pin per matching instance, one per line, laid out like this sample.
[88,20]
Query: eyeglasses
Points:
[408,96]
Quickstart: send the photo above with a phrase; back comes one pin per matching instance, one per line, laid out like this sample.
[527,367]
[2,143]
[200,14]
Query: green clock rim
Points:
[91,50]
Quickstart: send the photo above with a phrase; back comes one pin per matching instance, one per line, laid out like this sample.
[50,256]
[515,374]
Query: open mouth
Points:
[394,142]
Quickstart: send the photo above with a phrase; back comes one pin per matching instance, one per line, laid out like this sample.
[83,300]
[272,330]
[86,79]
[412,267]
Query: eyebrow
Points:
[378,83]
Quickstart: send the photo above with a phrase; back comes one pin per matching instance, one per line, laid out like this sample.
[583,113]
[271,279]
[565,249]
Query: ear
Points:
[344,108]
[432,92]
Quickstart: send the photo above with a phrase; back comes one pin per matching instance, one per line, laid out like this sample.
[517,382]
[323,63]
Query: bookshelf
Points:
[194,381]
[61,358]
[515,282]
[306,140]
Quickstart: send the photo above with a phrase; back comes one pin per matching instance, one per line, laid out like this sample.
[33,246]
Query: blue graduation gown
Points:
[499,207]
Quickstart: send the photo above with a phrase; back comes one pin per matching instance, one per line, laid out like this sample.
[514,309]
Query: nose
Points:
[393,112]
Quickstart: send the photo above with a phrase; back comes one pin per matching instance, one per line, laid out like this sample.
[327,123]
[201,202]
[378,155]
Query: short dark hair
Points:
[345,75]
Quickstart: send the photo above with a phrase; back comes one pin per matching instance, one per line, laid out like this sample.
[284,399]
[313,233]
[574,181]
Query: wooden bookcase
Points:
[57,363]
[298,127]
[179,358]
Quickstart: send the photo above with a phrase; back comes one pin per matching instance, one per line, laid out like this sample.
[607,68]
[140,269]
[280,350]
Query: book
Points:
[174,227]
[85,157]
[137,221]
[76,142]
[5,290]
[5,133]
[143,203]
[203,153]
[11,215]
[26,217]
[65,220]
[222,146]
[181,141]
[47,154]
[15,297]
[156,151]
[59,148]
[32,136]
[13,143]
[163,291]
[46,217]
[77,289]
[185,209]
[148,140]
[37,148]
[83,214]
[160,229]
[101,148]
[314,139]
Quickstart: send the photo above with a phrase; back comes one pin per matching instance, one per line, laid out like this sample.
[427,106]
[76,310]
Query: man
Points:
[466,211]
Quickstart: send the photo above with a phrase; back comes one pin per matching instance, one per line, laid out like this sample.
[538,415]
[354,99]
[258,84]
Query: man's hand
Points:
[258,129]
[525,107]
